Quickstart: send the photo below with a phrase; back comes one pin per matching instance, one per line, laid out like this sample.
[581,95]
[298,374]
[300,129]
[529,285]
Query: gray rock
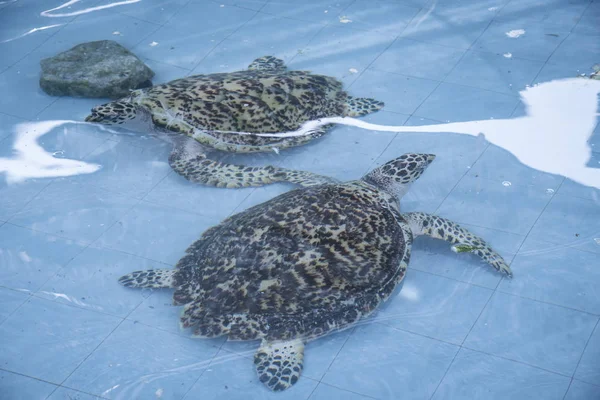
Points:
[94,69]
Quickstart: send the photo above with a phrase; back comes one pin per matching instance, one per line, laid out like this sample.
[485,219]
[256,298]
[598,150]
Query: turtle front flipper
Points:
[279,364]
[268,64]
[463,240]
[196,167]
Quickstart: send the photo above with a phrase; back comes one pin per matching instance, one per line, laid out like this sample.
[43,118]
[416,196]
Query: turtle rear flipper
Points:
[359,106]
[196,167]
[279,364]
[152,278]
[304,178]
[267,63]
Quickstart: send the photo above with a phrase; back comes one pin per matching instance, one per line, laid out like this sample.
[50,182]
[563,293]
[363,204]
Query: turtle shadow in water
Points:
[552,136]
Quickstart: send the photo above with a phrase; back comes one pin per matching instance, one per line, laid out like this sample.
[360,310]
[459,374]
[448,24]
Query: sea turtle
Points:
[304,264]
[265,98]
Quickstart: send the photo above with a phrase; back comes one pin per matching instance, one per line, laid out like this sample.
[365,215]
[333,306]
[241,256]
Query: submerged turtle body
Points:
[304,264]
[266,98]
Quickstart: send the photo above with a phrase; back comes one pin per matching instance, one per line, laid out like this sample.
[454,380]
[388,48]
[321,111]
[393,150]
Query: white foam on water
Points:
[507,55]
[551,137]
[515,33]
[31,160]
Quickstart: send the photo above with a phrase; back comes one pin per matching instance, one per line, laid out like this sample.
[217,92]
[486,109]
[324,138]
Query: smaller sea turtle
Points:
[266,98]
[304,264]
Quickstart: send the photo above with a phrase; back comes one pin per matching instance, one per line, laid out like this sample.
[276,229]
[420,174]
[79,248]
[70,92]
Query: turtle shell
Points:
[246,101]
[303,264]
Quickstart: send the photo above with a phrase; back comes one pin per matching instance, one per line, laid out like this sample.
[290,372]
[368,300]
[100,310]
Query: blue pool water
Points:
[517,164]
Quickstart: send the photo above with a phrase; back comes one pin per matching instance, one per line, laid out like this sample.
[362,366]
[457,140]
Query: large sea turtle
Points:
[306,263]
[265,98]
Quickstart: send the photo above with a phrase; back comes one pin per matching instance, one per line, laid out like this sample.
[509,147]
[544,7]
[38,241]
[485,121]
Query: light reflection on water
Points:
[50,13]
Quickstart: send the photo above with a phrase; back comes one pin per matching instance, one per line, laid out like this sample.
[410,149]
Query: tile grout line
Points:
[462,343]
[48,382]
[409,116]
[136,202]
[496,289]
[585,348]
[568,388]
[323,27]
[386,48]
[516,96]
[92,351]
[209,363]
[590,2]
[460,180]
[41,44]
[31,293]
[507,293]
[352,330]
[16,308]
[453,188]
[25,204]
[596,385]
[462,346]
[256,12]
[550,56]
[444,81]
[516,361]
[445,373]
[538,217]
[342,389]
[123,319]
[12,115]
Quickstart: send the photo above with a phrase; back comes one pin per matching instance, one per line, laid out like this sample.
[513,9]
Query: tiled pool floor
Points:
[457,330]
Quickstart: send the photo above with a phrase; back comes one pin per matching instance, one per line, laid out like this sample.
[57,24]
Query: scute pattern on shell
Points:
[245,101]
[301,265]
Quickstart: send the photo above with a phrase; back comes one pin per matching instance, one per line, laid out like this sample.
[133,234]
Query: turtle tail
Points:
[152,278]
[359,106]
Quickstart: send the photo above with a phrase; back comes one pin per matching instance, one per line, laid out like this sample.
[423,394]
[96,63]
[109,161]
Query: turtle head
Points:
[113,113]
[122,113]
[396,175]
